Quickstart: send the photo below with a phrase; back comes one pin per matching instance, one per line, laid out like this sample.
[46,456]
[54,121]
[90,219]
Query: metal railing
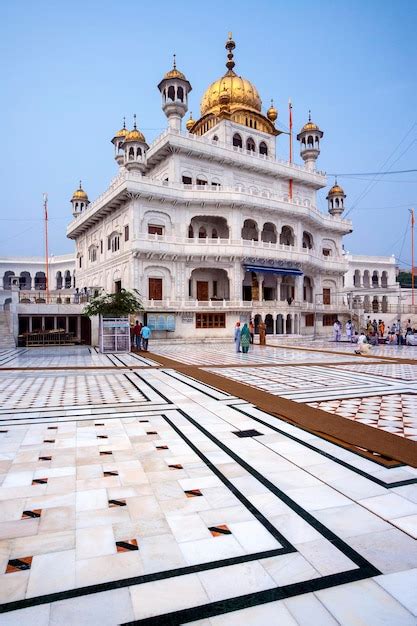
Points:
[41,297]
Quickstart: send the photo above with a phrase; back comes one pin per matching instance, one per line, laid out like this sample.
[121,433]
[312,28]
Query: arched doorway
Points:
[288,325]
[279,325]
[269,322]
[257,320]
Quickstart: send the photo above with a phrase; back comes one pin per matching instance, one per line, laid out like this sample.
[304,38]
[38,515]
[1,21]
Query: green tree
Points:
[119,304]
[404,278]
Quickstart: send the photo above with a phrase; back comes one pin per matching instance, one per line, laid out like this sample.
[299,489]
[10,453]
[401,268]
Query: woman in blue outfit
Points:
[237,337]
[245,338]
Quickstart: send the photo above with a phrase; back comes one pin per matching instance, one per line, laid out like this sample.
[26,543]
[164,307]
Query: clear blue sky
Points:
[71,70]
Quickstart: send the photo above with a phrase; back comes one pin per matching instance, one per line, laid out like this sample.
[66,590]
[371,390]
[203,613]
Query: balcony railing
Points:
[193,304]
[41,297]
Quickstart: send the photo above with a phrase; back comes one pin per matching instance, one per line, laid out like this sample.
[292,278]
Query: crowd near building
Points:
[211,226]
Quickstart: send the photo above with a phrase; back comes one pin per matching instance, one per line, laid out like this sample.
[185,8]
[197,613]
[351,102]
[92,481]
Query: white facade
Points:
[210,225]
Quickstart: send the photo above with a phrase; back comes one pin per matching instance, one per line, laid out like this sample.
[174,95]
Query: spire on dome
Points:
[230,45]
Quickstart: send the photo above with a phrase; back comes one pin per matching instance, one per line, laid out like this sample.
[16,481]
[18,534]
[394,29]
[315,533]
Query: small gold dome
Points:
[123,132]
[174,73]
[310,126]
[79,194]
[135,134]
[272,112]
[190,122]
[336,190]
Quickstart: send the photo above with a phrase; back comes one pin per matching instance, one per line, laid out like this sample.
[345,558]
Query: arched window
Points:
[237,140]
[250,230]
[67,278]
[202,233]
[138,152]
[307,289]
[25,280]
[40,280]
[214,234]
[384,280]
[375,279]
[286,237]
[269,233]
[59,280]
[131,154]
[250,145]
[171,93]
[263,148]
[180,94]
[190,232]
[310,141]
[113,242]
[307,240]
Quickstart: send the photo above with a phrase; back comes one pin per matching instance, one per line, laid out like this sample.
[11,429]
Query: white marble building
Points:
[211,226]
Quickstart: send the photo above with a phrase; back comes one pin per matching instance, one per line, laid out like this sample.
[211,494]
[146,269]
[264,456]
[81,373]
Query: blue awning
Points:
[265,269]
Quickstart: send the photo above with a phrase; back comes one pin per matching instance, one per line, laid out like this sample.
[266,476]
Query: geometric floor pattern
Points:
[164,501]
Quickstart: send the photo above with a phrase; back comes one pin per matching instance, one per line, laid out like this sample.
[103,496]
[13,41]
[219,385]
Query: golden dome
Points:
[272,112]
[237,92]
[190,122]
[123,132]
[336,190]
[174,73]
[310,126]
[79,194]
[135,134]
[230,90]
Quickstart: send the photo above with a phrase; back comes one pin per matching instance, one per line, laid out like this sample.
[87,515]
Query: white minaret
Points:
[335,200]
[309,138]
[135,148]
[79,201]
[118,142]
[174,88]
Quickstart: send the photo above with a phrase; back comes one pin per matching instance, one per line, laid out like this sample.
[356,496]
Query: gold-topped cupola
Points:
[233,97]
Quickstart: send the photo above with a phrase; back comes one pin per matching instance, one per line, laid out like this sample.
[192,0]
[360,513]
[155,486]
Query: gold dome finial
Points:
[309,115]
[230,45]
[272,113]
[174,61]
[79,194]
[134,121]
[190,122]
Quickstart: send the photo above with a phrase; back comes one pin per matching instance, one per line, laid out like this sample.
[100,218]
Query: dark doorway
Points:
[85,330]
[117,286]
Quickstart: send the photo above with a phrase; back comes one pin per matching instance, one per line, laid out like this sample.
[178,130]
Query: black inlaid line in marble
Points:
[185,382]
[160,394]
[220,607]
[136,580]
[341,545]
[374,479]
[136,387]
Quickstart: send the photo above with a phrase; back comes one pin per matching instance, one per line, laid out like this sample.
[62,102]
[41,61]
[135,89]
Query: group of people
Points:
[139,336]
[244,336]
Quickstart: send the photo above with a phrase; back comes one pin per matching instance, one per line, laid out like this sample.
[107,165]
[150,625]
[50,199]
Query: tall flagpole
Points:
[290,125]
[45,206]
[412,256]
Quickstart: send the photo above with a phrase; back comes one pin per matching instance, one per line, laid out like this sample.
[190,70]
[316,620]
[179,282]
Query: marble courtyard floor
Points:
[134,490]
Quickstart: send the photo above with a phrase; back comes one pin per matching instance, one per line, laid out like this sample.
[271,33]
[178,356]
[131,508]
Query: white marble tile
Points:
[188,527]
[213,549]
[253,537]
[364,602]
[235,580]
[407,524]
[33,615]
[390,506]
[107,609]
[91,542]
[164,596]
[287,569]
[325,557]
[308,610]
[270,614]
[51,573]
[347,521]
[402,586]
[390,551]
